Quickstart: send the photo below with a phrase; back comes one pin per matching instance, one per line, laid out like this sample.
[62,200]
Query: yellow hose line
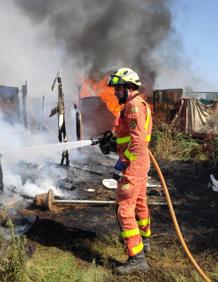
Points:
[173,216]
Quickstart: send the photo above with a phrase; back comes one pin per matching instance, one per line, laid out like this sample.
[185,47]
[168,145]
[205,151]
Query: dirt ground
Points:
[195,204]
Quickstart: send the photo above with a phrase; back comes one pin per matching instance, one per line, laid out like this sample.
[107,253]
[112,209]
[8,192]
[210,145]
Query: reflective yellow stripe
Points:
[130,233]
[137,249]
[148,117]
[130,156]
[122,140]
[148,138]
[125,186]
[144,222]
[145,233]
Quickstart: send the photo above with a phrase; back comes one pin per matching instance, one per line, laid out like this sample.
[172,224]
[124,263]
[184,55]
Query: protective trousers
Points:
[133,213]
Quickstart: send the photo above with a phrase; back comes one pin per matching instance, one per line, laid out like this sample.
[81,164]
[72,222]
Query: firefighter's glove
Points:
[118,170]
[107,143]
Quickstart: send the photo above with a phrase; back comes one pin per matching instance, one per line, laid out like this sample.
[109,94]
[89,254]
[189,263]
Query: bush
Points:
[13,259]
[168,143]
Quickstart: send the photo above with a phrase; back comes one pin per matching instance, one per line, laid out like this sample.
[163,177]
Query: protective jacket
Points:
[133,131]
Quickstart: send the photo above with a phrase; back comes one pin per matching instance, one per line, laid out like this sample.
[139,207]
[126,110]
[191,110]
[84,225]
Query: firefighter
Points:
[133,132]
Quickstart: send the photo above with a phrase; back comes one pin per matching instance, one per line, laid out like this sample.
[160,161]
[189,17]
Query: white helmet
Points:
[124,76]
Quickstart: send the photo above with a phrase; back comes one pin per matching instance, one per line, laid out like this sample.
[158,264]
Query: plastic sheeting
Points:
[197,118]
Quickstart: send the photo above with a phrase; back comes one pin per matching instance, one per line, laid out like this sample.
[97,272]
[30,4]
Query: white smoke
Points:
[33,185]
[27,53]
[14,168]
[15,136]
[24,55]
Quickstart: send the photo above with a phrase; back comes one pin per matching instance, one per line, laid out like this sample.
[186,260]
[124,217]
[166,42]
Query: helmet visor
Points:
[115,81]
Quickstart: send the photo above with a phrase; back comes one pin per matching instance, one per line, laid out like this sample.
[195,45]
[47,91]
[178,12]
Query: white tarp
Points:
[197,118]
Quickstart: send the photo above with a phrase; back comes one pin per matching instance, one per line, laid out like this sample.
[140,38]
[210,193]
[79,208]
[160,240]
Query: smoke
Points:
[39,38]
[97,36]
[26,54]
[15,136]
[27,174]
[30,186]
[34,180]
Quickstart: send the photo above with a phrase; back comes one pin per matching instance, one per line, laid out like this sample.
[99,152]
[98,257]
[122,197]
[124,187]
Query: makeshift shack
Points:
[197,117]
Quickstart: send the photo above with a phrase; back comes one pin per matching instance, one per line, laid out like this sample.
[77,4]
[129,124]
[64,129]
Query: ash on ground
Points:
[195,205]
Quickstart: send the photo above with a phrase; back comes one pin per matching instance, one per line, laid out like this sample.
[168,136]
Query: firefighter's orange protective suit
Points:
[133,131]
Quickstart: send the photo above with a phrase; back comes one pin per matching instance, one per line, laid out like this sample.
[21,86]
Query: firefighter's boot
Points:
[137,263]
[147,245]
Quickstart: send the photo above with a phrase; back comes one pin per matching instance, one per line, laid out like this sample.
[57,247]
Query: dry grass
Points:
[167,143]
[167,262]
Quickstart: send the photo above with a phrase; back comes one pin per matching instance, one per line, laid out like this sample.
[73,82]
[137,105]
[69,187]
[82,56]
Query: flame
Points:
[101,89]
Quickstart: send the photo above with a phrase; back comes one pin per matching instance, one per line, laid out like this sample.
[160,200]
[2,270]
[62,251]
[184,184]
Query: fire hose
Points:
[174,219]
[106,138]
[95,141]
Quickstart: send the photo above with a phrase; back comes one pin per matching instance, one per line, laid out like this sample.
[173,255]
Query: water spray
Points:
[46,149]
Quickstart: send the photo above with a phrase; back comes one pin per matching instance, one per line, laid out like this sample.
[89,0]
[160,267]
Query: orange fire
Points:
[101,89]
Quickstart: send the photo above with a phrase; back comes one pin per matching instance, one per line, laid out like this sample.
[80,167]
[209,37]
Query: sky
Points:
[196,22]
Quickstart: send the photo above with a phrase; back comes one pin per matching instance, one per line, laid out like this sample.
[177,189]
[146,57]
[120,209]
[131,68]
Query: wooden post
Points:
[42,113]
[1,178]
[24,95]
[78,95]
[78,123]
